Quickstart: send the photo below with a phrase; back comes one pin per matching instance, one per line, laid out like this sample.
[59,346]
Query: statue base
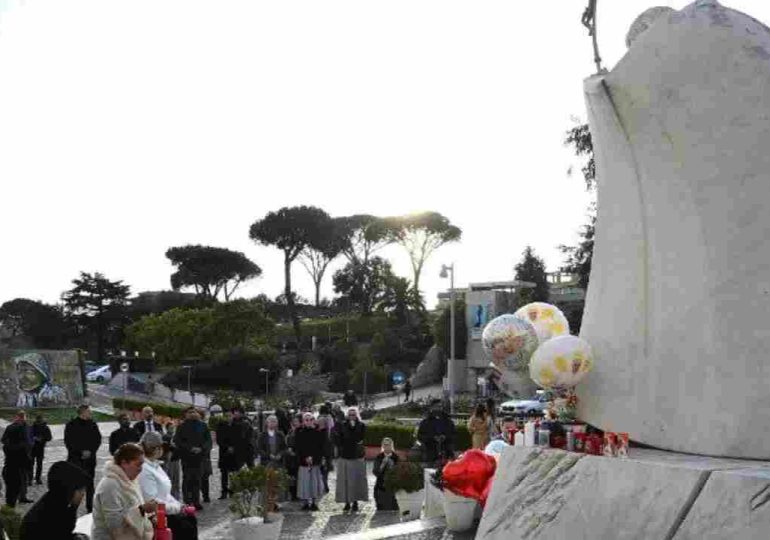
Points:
[541,493]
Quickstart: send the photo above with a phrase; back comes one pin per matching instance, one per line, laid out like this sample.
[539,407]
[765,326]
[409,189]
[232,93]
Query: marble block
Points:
[677,306]
[542,494]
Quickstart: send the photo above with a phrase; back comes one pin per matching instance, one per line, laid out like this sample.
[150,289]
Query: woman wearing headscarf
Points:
[385,460]
[120,512]
[351,469]
[54,516]
[309,448]
[156,485]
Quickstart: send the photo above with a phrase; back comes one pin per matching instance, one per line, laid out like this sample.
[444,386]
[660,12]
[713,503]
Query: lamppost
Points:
[450,272]
[267,381]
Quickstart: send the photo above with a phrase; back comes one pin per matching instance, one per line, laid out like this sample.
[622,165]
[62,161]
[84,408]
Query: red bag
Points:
[470,474]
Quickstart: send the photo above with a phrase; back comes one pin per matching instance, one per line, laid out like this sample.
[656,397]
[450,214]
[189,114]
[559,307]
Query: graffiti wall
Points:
[35,378]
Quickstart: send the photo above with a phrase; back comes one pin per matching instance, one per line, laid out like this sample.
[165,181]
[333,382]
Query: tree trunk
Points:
[318,293]
[290,300]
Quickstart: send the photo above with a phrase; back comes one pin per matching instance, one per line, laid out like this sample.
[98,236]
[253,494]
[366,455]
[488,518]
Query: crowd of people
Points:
[169,464]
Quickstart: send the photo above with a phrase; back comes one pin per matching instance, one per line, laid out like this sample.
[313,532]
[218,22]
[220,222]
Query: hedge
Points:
[404,435]
[161,409]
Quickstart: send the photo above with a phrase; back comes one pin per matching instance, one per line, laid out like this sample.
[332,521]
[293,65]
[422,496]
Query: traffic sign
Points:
[398,377]
[124,367]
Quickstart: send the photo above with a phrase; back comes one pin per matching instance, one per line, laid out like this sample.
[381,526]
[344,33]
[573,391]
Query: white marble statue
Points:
[678,307]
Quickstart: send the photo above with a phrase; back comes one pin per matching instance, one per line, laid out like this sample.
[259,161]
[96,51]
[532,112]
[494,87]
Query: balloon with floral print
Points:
[548,320]
[561,362]
[509,342]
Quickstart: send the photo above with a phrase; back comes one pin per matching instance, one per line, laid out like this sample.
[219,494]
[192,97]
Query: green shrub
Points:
[161,409]
[405,476]
[462,438]
[403,436]
[11,521]
[254,490]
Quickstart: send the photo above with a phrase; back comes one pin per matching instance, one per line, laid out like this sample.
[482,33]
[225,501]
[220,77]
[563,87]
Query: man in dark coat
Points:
[83,439]
[54,516]
[193,442]
[436,434]
[225,441]
[124,434]
[242,437]
[17,448]
[41,435]
[350,399]
[148,423]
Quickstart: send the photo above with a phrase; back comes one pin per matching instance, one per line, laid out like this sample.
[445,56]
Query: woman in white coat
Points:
[120,512]
[156,485]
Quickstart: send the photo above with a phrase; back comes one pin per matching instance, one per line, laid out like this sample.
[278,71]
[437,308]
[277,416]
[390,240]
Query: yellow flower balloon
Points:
[561,362]
[548,320]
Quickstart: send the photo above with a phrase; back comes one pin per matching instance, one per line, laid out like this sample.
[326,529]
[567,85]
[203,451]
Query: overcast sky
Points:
[127,127]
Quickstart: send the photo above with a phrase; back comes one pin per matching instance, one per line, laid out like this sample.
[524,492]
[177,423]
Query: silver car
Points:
[524,407]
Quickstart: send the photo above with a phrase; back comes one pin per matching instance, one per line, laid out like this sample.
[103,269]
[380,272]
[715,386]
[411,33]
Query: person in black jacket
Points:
[308,443]
[225,441]
[350,399]
[290,457]
[351,469]
[54,516]
[385,460]
[148,423]
[41,435]
[83,439]
[124,434]
[436,433]
[234,437]
[17,448]
[271,445]
[192,441]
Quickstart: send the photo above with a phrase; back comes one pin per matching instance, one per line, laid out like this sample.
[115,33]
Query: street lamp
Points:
[449,271]
[267,381]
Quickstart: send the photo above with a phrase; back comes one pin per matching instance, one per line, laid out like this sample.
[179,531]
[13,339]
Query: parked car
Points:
[90,366]
[100,375]
[523,407]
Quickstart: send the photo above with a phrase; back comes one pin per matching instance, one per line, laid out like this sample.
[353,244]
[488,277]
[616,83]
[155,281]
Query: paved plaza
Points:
[214,520]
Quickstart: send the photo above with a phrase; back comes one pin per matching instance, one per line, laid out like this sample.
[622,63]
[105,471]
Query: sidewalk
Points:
[435,391]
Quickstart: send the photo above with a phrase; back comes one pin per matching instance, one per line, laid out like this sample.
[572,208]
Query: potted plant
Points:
[254,492]
[406,480]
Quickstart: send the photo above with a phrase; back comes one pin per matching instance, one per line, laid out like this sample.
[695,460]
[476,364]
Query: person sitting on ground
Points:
[385,460]
[120,511]
[54,516]
[156,485]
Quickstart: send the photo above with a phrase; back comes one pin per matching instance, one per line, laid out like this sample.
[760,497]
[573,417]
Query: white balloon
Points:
[548,320]
[561,362]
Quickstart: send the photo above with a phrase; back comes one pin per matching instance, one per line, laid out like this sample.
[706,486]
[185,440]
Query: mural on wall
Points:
[39,378]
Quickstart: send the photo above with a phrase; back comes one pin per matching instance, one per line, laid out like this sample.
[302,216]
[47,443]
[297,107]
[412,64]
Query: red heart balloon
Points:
[486,492]
[469,474]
